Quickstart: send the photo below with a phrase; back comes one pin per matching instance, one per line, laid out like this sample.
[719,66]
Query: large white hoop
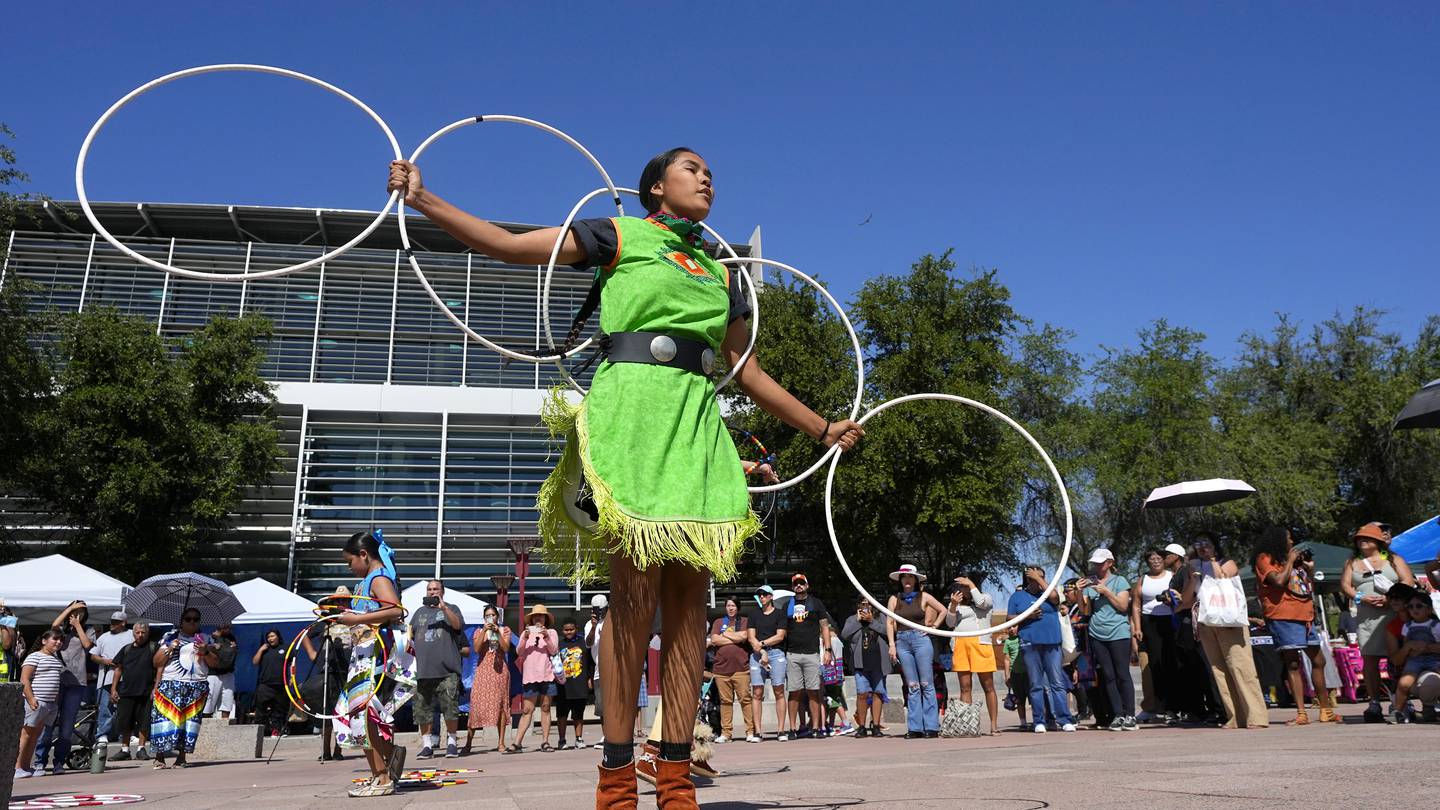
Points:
[558,359]
[859,367]
[415,265]
[880,604]
[198,274]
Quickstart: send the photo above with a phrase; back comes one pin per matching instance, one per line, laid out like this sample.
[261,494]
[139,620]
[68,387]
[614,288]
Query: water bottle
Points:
[98,756]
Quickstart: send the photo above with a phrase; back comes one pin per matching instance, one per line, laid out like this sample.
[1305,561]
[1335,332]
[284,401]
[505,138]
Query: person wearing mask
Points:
[130,691]
[807,632]
[730,639]
[534,648]
[575,691]
[914,651]
[435,633]
[973,657]
[40,674]
[1152,626]
[103,656]
[1040,646]
[599,607]
[867,645]
[184,658]
[271,704]
[1364,582]
[765,633]
[1227,649]
[1286,579]
[74,654]
[490,684]
[222,676]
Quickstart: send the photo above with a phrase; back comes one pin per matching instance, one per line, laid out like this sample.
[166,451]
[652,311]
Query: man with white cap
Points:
[103,654]
[599,606]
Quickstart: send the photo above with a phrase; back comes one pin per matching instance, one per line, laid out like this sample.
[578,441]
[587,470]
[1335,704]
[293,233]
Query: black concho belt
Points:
[658,349]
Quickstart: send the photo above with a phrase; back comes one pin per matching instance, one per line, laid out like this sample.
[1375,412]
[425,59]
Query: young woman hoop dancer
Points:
[662,484]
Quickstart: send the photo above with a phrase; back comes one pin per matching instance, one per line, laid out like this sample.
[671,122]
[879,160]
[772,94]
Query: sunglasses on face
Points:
[189,618]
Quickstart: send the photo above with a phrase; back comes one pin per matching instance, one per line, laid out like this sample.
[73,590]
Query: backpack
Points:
[961,719]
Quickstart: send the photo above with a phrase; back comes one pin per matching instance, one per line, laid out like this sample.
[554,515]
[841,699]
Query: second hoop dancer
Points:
[662,484]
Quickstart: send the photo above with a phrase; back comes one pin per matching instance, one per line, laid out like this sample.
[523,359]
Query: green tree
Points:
[140,445]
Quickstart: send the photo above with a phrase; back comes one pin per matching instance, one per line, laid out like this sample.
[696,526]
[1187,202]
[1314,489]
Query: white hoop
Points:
[198,274]
[415,265]
[879,604]
[859,368]
[558,359]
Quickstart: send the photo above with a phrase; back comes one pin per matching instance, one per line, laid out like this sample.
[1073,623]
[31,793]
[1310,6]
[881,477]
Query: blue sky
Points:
[1207,163]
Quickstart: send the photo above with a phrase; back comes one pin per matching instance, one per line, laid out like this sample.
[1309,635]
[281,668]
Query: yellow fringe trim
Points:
[582,555]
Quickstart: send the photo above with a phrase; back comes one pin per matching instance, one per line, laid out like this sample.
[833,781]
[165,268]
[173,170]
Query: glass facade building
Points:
[389,416]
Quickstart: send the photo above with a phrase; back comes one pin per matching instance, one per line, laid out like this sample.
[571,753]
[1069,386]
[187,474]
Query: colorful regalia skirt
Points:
[368,698]
[175,715]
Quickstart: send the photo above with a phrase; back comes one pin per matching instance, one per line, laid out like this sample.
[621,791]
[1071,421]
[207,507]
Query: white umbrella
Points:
[1198,493]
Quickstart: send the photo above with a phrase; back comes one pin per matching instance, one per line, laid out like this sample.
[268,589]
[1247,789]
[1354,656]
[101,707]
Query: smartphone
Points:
[431,601]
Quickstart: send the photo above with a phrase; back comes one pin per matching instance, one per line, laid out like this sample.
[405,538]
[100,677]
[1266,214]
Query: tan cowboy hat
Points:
[540,610]
[907,568]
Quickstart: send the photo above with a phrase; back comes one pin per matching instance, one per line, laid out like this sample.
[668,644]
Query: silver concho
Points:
[707,360]
[662,348]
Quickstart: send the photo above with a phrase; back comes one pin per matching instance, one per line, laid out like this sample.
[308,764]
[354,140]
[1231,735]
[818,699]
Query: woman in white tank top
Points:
[1153,628]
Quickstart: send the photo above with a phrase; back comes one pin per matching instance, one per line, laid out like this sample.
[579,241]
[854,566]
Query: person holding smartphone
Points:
[867,646]
[184,658]
[271,704]
[435,633]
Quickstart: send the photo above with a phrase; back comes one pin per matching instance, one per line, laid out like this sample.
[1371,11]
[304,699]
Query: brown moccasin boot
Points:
[645,766]
[674,789]
[617,790]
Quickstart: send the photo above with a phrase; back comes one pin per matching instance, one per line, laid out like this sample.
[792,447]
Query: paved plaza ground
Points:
[1355,766]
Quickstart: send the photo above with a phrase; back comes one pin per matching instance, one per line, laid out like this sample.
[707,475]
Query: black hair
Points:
[655,172]
[1214,543]
[1145,555]
[1273,543]
[37,644]
[739,606]
[1402,592]
[276,631]
[362,541]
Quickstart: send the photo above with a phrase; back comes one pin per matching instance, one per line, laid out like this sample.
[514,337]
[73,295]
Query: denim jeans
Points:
[105,713]
[917,659]
[1043,662]
[58,733]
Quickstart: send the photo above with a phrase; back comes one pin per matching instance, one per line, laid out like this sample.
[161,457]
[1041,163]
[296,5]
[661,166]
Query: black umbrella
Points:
[1423,409]
[164,598]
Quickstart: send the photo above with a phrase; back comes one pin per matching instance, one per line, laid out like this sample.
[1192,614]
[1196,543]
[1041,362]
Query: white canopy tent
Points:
[268,603]
[38,589]
[472,610]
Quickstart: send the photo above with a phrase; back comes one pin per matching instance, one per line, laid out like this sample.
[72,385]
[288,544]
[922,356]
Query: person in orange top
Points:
[1286,576]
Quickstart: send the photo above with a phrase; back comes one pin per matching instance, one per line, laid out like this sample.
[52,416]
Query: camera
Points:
[431,601]
[1308,555]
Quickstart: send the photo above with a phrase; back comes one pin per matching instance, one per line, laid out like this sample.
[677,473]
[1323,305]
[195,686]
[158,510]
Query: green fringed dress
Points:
[654,453]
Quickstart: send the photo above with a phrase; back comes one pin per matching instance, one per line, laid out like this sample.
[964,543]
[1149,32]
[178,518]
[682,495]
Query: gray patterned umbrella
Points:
[163,598]
[1423,409]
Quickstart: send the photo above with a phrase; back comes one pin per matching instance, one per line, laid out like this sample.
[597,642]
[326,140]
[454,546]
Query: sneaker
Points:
[1039,728]
[425,753]
[1403,716]
[916,735]
[21,773]
[451,751]
[1068,727]
[803,734]
[142,754]
[102,740]
[599,746]
[721,740]
[372,788]
[580,743]
[930,735]
[122,756]
[845,729]
[1118,724]
[1130,724]
[876,731]
[1145,717]
[782,737]
[752,738]
[1373,714]
[862,732]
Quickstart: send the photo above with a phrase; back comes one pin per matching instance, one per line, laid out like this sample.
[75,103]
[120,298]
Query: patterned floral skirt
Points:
[360,701]
[490,689]
[175,715]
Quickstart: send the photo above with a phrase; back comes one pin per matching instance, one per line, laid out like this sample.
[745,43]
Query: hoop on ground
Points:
[227,68]
[880,604]
[558,359]
[415,265]
[834,449]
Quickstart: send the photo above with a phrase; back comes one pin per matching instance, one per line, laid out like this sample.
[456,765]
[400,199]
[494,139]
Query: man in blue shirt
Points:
[1040,644]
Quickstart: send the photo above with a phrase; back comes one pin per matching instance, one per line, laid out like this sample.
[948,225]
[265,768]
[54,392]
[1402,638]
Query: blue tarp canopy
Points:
[1419,544]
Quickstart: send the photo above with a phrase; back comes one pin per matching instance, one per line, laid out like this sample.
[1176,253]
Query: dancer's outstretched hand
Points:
[405,178]
[846,433]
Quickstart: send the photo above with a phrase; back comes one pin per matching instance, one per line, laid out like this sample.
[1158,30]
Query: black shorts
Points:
[132,718]
[569,709]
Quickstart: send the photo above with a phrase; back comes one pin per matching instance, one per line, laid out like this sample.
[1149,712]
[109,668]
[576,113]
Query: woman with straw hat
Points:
[1365,580]
[533,648]
[914,651]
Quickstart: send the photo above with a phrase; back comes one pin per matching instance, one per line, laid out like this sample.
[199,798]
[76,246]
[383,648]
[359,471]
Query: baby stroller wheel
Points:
[79,759]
